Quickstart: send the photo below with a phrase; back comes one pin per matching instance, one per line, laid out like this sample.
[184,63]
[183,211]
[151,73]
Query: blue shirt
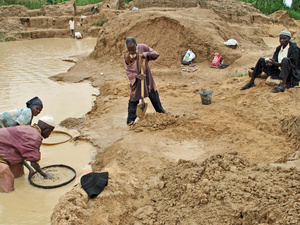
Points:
[22,116]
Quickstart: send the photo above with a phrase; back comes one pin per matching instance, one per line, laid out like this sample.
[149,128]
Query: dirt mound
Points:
[291,126]
[172,34]
[72,123]
[67,8]
[236,11]
[224,189]
[166,3]
[283,17]
[10,24]
[156,122]
[13,11]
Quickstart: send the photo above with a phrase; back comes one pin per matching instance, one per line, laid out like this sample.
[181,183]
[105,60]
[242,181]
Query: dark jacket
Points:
[293,55]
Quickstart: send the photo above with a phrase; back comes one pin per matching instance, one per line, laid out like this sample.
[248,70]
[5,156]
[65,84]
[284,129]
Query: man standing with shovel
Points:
[136,59]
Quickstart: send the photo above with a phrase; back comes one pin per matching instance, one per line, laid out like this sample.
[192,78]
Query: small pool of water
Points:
[25,68]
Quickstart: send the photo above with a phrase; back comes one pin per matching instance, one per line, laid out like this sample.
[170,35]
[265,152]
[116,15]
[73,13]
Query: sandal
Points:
[278,89]
[247,86]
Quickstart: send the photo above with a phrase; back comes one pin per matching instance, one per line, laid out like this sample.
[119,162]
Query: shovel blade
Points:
[141,109]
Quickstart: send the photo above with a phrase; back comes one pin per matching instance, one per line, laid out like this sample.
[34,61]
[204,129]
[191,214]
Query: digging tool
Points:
[142,106]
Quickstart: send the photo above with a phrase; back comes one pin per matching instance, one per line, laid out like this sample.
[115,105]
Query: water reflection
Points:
[25,67]
[24,70]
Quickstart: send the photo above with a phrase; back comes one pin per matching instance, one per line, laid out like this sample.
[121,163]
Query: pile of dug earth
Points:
[224,189]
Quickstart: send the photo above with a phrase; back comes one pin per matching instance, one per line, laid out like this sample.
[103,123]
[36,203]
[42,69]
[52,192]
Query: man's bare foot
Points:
[131,123]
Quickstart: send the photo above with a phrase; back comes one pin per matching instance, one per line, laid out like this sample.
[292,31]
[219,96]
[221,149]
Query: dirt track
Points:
[202,164]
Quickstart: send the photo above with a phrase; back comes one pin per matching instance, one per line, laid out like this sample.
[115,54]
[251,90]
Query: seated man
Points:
[282,66]
[21,143]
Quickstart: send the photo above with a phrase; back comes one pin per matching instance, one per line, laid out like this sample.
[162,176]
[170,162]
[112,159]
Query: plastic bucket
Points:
[206,96]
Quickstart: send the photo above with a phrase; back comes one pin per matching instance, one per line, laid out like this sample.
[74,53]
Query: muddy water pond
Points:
[25,68]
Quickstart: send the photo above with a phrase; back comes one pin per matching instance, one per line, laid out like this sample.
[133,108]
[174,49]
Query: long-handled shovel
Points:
[142,106]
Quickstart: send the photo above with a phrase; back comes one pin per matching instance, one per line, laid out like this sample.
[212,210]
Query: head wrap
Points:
[48,120]
[286,33]
[34,101]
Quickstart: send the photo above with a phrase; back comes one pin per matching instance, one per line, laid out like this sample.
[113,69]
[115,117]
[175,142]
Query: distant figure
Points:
[21,116]
[286,57]
[21,143]
[133,71]
[78,35]
[95,9]
[72,27]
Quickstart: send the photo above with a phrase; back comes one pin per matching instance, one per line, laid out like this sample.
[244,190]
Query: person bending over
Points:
[21,143]
[21,116]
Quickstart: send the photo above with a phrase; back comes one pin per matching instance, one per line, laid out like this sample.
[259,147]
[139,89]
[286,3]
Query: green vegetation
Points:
[100,24]
[6,38]
[127,1]
[36,4]
[294,14]
[270,6]
[242,74]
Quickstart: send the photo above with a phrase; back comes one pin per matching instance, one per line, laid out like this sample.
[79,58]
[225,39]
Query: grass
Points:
[294,14]
[243,74]
[100,24]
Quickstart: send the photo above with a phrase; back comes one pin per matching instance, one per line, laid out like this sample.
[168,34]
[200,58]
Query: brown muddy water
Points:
[25,68]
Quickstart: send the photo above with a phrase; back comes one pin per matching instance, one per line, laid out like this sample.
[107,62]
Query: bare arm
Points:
[37,167]
[152,55]
[31,171]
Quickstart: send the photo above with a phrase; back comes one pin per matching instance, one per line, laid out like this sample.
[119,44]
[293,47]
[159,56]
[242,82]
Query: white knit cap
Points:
[48,120]
[286,33]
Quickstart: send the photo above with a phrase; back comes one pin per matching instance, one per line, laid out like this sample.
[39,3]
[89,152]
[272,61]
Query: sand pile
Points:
[166,3]
[13,11]
[172,34]
[224,189]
